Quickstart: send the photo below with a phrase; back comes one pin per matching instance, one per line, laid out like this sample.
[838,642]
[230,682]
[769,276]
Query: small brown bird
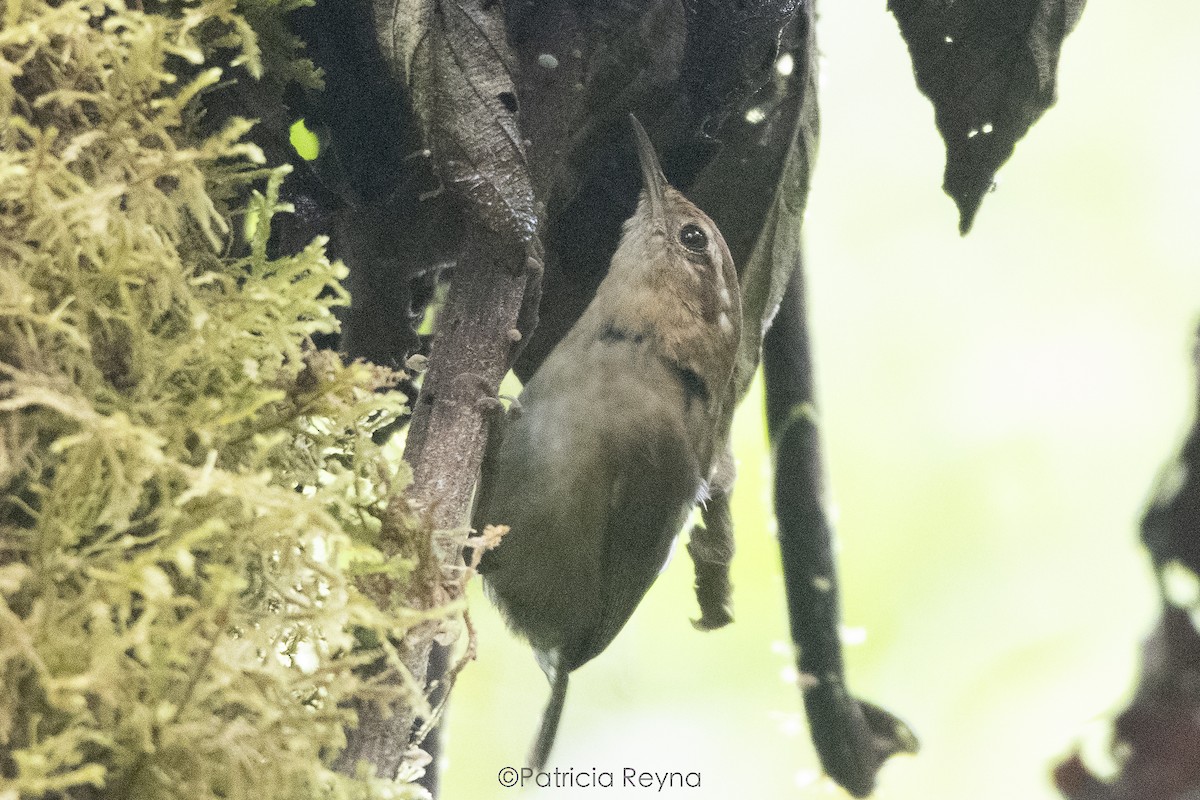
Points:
[615,438]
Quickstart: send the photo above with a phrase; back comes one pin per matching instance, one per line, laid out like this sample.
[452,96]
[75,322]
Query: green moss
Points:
[187,488]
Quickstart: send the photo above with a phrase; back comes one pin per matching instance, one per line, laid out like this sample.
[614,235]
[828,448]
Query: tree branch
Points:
[853,738]
[475,342]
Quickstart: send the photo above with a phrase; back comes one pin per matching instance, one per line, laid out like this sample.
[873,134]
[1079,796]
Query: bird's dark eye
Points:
[693,238]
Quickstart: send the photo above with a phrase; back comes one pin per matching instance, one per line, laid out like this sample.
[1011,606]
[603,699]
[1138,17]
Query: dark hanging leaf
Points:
[461,74]
[711,548]
[1159,733]
[730,53]
[990,68]
[756,188]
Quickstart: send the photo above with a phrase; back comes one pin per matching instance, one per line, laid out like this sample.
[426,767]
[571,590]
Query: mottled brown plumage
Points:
[616,436]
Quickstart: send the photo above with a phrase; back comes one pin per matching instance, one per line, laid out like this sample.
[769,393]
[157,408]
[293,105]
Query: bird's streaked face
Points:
[681,244]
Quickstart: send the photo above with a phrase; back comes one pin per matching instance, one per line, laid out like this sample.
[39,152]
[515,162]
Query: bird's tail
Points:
[550,717]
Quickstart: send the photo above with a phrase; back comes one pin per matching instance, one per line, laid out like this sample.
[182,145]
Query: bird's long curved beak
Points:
[654,183]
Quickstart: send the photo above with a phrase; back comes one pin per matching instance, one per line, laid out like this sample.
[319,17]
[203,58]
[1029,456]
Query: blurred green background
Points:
[995,411]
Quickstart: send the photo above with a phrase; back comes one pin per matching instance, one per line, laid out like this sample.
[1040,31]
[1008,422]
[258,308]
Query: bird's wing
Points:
[649,494]
[595,483]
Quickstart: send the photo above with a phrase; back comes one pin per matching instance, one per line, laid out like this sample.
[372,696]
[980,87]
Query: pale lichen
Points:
[187,488]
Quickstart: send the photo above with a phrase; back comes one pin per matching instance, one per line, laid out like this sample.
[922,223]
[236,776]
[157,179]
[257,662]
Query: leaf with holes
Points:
[756,189]
[990,68]
[462,82]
